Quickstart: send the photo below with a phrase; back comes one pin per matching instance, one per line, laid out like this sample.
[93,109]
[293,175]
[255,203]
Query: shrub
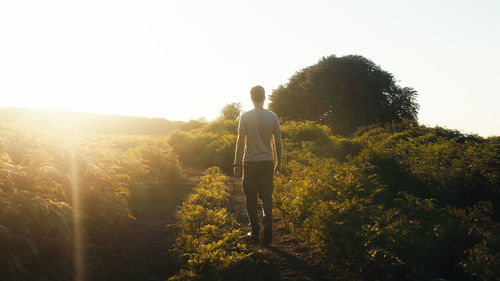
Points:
[206,147]
[209,238]
[395,203]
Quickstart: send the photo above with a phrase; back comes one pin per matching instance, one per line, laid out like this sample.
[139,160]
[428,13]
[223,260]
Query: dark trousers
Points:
[258,180]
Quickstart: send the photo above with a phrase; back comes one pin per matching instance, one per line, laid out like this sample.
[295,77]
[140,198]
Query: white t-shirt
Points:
[259,125]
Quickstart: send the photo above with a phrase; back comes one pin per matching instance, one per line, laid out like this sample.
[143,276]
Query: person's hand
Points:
[277,169]
[237,171]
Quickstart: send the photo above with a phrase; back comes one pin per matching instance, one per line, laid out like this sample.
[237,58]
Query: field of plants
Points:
[396,202]
[210,237]
[402,202]
[65,199]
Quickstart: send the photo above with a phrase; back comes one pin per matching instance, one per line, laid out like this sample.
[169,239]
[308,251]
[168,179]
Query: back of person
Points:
[254,156]
[259,125]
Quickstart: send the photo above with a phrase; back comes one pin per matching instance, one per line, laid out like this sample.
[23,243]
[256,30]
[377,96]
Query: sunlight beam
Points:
[78,239]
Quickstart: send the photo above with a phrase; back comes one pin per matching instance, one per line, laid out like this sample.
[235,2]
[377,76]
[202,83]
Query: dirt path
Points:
[282,259]
[144,252]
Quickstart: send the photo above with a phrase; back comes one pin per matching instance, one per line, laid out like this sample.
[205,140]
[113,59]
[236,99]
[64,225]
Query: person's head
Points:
[258,95]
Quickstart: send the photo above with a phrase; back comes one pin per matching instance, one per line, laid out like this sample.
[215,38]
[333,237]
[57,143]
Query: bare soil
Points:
[144,250]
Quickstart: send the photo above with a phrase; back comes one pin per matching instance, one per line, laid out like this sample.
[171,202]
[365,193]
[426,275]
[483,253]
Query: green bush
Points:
[210,145]
[209,236]
[403,202]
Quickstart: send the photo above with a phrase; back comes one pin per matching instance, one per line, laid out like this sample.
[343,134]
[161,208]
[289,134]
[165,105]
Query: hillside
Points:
[396,202]
[87,123]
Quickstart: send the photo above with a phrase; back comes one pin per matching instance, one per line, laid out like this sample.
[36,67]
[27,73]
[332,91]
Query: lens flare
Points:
[78,238]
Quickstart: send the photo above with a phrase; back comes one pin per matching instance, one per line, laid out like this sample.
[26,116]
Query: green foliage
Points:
[401,202]
[310,138]
[483,258]
[37,175]
[209,236]
[231,111]
[193,124]
[344,93]
[153,172]
[305,131]
[221,127]
[210,145]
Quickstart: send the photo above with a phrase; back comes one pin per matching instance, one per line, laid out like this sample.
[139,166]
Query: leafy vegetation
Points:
[209,236]
[231,111]
[115,177]
[206,144]
[388,201]
[401,202]
[344,93]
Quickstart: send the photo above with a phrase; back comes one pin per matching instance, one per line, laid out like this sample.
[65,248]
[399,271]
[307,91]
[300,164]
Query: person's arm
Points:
[240,147]
[277,144]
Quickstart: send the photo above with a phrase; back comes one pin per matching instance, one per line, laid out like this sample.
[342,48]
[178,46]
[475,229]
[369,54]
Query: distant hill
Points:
[87,123]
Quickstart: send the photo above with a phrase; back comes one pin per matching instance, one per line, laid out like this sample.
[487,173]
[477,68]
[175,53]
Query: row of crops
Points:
[401,202]
[209,239]
[64,199]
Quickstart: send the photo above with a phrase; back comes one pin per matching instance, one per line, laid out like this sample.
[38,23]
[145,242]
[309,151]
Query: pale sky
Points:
[183,60]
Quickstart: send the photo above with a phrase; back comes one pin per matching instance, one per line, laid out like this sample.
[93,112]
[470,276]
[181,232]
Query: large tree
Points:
[344,93]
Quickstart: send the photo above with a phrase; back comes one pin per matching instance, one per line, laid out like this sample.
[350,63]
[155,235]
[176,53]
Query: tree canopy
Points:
[231,111]
[344,93]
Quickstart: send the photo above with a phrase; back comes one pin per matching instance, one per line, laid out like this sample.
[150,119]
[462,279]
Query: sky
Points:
[185,60]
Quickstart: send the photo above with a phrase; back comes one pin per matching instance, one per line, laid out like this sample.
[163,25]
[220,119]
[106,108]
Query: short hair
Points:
[258,93]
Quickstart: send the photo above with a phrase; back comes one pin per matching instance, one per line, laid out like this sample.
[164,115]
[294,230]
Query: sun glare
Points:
[185,60]
[78,237]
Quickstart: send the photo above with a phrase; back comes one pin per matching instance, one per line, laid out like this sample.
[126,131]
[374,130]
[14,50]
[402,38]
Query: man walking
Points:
[254,149]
